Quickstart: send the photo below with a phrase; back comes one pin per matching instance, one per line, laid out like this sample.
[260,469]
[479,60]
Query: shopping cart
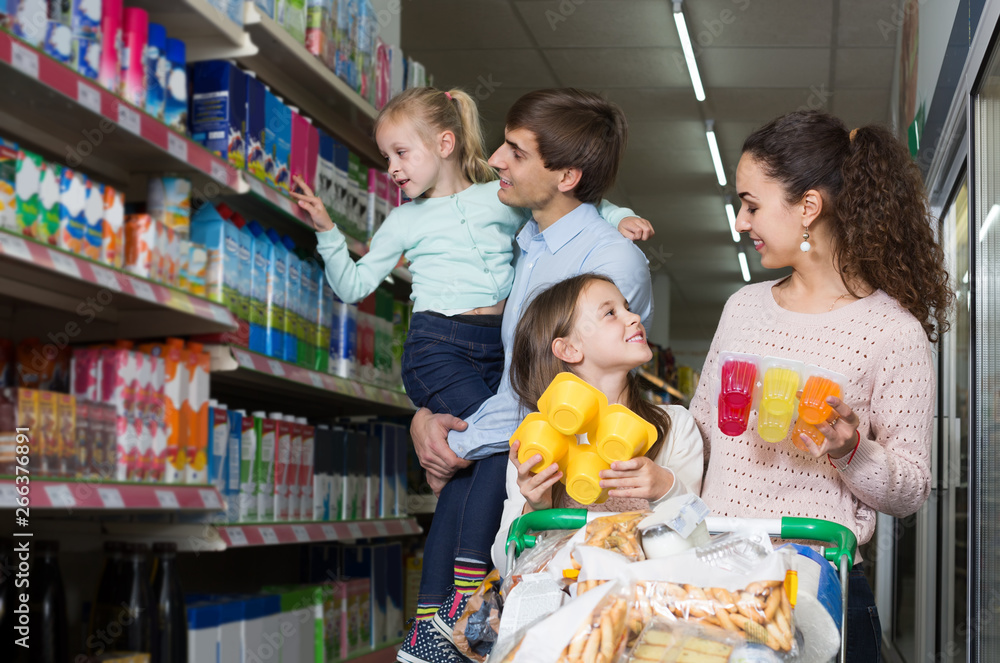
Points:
[842,544]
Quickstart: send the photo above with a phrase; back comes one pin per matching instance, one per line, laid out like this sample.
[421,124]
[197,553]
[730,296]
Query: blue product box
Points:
[277,141]
[265,7]
[244,284]
[219,109]
[277,308]
[231,471]
[175,113]
[221,240]
[85,23]
[218,445]
[293,301]
[263,256]
[59,42]
[256,133]
[157,68]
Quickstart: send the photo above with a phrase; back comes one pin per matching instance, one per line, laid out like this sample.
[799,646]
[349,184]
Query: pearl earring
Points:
[805,245]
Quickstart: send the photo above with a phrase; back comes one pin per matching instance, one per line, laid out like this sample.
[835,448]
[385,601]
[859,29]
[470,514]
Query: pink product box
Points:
[140,450]
[85,374]
[156,420]
[305,150]
[118,380]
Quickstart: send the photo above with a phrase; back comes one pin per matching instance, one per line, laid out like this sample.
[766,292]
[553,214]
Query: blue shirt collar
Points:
[562,231]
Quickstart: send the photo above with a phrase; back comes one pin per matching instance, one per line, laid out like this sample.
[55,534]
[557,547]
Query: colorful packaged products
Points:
[27,181]
[218,109]
[8,175]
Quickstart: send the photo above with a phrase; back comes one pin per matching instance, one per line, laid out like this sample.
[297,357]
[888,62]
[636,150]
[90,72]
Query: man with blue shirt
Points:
[560,155]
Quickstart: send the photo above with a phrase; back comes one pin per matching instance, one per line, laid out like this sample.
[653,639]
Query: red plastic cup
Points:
[733,420]
[738,380]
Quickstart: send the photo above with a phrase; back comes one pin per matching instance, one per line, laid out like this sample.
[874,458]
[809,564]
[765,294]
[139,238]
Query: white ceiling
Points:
[758,59]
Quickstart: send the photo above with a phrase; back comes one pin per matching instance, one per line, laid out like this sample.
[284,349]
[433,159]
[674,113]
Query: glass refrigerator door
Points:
[985,405]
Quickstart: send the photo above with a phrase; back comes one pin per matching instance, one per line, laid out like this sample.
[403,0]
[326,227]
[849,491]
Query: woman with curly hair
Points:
[866,297]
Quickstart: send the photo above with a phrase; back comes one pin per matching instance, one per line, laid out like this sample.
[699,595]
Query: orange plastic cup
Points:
[623,435]
[571,405]
[537,436]
[583,475]
[813,407]
[810,431]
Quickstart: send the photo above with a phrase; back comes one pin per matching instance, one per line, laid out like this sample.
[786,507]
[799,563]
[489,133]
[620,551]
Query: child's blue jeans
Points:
[451,366]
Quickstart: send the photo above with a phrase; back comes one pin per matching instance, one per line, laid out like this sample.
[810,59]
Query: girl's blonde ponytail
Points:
[472,144]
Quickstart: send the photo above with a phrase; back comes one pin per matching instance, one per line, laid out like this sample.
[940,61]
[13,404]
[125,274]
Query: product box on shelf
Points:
[294,468]
[219,109]
[48,205]
[169,202]
[359,448]
[222,241]
[218,444]
[282,459]
[293,290]
[156,68]
[357,198]
[307,470]
[394,612]
[372,475]
[277,290]
[256,121]
[343,339]
[197,268]
[93,216]
[203,622]
[308,287]
[231,464]
[27,180]
[133,74]
[266,435]
[365,365]
[322,459]
[8,176]
[261,284]
[85,24]
[118,374]
[291,14]
[176,408]
[337,470]
[138,424]
[141,258]
[304,151]
[319,29]
[277,140]
[322,321]
[113,243]
[156,416]
[112,44]
[175,112]
[64,455]
[382,478]
[231,9]
[364,562]
[266,7]
[28,20]
[74,188]
[325,173]
[248,473]
[199,367]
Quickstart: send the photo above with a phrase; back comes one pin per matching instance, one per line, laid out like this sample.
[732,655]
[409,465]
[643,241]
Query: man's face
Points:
[524,179]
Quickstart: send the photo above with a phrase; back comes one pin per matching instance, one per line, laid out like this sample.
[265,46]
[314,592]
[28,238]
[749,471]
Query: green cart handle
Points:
[538,521]
[842,540]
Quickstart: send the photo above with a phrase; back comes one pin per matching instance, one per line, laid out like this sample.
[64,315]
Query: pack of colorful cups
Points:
[782,391]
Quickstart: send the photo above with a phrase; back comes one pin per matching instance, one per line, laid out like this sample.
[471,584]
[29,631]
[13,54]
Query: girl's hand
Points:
[636,228]
[536,488]
[309,202]
[639,477]
[840,431]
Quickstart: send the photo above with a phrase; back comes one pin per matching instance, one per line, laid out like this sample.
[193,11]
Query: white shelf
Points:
[207,33]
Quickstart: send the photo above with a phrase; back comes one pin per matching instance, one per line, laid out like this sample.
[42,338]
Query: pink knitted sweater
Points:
[883,351]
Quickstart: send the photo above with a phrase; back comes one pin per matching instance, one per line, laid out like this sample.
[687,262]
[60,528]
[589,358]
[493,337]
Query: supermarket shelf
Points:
[207,32]
[663,386]
[110,496]
[53,290]
[269,534]
[51,106]
[240,368]
[303,80]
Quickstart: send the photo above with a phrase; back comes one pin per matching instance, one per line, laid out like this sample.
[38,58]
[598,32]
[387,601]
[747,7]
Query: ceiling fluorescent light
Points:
[713,146]
[731,215]
[744,267]
[990,218]
[692,64]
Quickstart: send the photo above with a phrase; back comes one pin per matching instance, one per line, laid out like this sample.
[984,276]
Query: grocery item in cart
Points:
[673,641]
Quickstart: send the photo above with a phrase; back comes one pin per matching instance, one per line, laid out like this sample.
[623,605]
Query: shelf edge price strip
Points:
[210,499]
[24,59]
[301,533]
[167,499]
[329,532]
[88,96]
[177,146]
[355,531]
[111,498]
[129,119]
[381,528]
[60,496]
[268,535]
[236,536]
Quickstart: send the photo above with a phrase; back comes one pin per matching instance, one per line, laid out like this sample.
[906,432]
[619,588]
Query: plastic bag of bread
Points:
[600,637]
[759,613]
[476,630]
[536,559]
[677,641]
[617,532]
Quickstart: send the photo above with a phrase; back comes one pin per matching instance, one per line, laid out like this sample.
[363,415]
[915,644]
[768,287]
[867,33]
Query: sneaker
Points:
[449,613]
[424,644]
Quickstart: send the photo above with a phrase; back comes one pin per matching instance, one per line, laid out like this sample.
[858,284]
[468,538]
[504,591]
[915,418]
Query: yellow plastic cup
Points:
[773,427]
[813,406]
[537,436]
[571,405]
[583,475]
[622,434]
[778,393]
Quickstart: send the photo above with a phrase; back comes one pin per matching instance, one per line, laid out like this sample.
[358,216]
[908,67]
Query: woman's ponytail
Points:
[885,234]
[472,145]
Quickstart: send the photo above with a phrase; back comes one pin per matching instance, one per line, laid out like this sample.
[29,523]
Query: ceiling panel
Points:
[736,23]
[619,67]
[663,103]
[864,67]
[872,23]
[482,72]
[596,23]
[860,107]
[459,24]
[754,105]
[765,68]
